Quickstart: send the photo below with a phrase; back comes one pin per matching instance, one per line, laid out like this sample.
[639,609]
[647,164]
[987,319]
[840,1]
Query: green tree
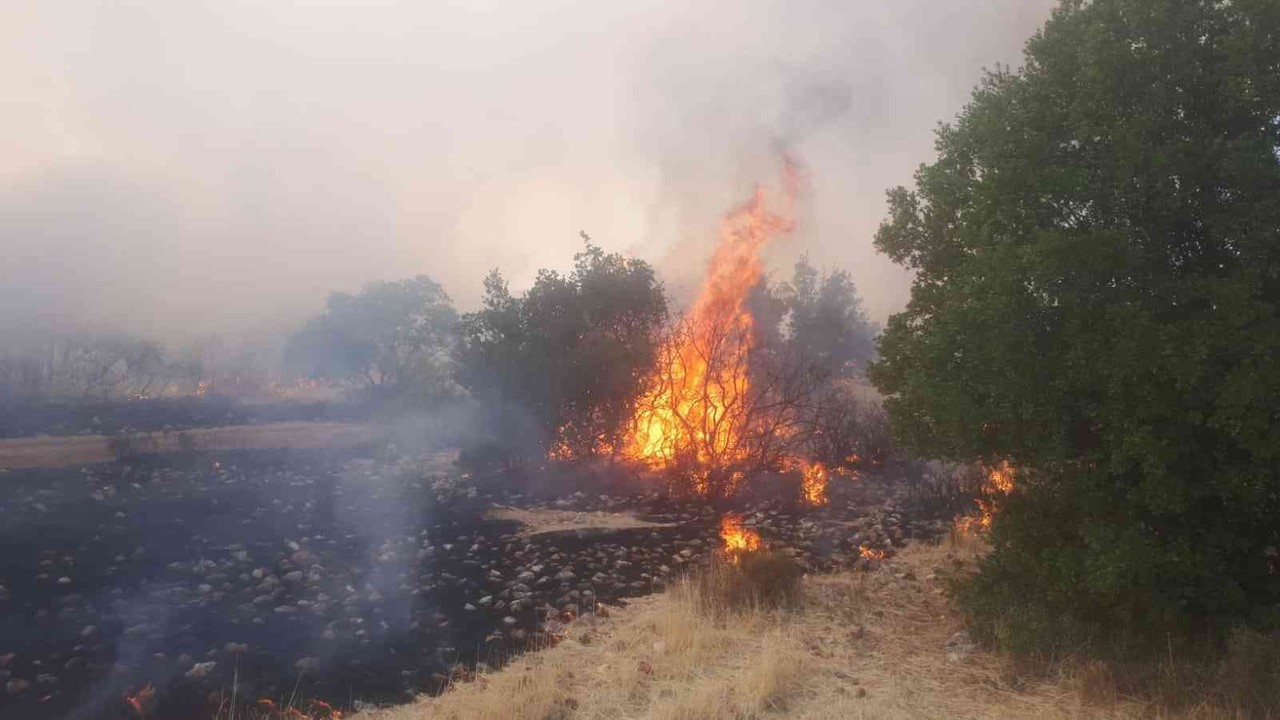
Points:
[827,323]
[395,339]
[566,360]
[1096,253]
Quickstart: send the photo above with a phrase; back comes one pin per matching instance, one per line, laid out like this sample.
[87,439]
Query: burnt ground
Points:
[323,574]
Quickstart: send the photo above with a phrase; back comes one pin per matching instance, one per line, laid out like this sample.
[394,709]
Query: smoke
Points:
[178,168]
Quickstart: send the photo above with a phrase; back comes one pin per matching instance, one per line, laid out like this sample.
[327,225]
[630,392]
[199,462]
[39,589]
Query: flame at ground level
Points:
[737,538]
[815,483]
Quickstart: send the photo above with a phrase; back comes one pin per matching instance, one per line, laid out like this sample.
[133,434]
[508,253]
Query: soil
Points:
[334,574]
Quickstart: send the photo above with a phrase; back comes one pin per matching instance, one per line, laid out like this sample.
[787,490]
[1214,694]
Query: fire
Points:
[140,701]
[268,709]
[999,483]
[737,538]
[869,553]
[815,484]
[694,408]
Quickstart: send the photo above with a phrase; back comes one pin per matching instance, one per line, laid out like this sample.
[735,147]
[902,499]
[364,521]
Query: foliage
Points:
[1095,299]
[395,339]
[826,321]
[569,356]
[87,368]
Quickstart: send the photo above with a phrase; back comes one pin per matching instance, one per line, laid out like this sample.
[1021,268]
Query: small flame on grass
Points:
[869,553]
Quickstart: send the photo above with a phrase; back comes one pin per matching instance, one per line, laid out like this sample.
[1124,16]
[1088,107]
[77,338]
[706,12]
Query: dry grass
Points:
[854,645]
[64,451]
[539,521]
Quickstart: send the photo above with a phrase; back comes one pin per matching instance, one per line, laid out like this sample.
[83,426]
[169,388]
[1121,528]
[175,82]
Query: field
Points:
[346,575]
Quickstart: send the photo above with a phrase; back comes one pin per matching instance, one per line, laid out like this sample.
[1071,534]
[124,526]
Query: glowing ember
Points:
[999,483]
[737,539]
[140,701]
[695,408]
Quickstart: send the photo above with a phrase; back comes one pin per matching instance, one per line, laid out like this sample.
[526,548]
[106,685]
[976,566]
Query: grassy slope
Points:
[859,645]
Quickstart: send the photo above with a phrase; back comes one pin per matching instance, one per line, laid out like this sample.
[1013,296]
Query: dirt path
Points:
[63,451]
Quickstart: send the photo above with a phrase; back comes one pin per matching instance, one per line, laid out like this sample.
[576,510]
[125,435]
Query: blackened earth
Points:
[321,575]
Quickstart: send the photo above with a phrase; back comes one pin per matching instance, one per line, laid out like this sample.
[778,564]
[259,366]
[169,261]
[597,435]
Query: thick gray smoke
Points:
[176,168]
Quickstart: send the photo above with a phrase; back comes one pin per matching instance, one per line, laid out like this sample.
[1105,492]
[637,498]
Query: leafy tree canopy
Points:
[1096,252]
[571,354]
[394,338]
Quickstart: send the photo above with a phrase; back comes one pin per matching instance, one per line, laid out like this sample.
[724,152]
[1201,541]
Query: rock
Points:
[200,670]
[16,686]
[509,621]
[959,646]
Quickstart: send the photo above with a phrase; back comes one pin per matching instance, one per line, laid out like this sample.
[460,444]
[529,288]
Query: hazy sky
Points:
[181,167]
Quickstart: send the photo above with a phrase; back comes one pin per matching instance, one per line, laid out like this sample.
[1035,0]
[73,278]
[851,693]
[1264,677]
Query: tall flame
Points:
[694,408]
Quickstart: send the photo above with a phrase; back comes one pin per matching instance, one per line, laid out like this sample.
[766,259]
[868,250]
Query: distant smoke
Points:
[156,183]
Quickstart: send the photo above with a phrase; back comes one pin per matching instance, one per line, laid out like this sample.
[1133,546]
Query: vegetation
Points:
[859,645]
[567,358]
[394,339]
[1096,300]
[93,368]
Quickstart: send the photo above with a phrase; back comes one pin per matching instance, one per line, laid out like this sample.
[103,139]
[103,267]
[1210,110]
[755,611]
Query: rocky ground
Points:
[325,575]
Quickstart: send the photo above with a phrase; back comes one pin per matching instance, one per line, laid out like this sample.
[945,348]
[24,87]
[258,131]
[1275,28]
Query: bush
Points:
[759,579]
[1096,301]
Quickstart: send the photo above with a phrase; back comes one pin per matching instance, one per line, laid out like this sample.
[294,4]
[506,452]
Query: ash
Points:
[325,575]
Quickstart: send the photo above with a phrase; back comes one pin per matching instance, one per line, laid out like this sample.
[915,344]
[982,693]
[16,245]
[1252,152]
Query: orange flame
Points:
[140,701]
[694,408]
[999,483]
[869,553]
[737,538]
[815,483]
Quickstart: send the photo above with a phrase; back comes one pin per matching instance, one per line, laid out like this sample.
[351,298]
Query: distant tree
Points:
[394,339]
[827,323]
[1096,299]
[570,354]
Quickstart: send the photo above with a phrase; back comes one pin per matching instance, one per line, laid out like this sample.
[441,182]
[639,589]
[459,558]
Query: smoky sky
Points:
[178,168]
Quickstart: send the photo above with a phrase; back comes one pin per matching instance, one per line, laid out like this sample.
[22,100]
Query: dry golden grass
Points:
[539,521]
[65,451]
[857,645]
